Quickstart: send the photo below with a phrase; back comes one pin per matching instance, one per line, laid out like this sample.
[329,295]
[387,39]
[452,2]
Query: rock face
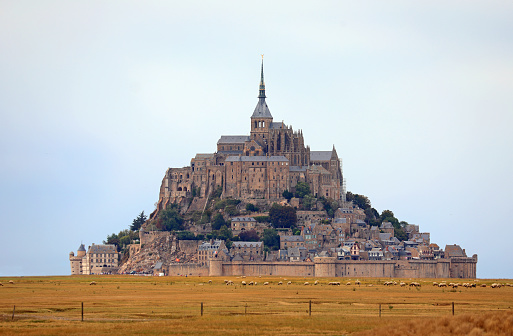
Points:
[163,247]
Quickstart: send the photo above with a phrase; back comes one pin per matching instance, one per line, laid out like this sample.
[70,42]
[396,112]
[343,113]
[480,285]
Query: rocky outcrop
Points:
[164,248]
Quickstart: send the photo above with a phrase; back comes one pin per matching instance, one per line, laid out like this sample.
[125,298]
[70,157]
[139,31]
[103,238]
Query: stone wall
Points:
[189,247]
[331,267]
[188,269]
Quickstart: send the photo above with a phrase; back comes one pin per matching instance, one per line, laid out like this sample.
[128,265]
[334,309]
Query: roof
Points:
[277,125]
[279,158]
[81,247]
[228,139]
[454,251]
[243,219]
[297,168]
[320,169]
[246,244]
[292,238]
[261,110]
[320,155]
[340,221]
[108,248]
[158,265]
[204,156]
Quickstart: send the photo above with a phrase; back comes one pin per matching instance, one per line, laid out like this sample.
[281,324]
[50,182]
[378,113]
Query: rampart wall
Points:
[331,267]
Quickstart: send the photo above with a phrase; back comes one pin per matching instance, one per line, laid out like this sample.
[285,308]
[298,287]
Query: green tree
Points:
[170,219]
[218,222]
[309,202]
[271,239]
[138,222]
[360,200]
[287,194]
[249,235]
[302,189]
[251,207]
[282,216]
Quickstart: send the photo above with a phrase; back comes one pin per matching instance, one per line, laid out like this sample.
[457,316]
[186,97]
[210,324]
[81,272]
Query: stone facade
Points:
[98,259]
[262,165]
[464,268]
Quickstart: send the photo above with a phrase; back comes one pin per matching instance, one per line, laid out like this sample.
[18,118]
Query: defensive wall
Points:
[331,267]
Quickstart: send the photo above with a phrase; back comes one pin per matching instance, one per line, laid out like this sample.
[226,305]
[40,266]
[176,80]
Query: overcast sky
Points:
[99,98]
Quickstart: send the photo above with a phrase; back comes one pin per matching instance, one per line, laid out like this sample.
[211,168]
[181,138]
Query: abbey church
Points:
[273,158]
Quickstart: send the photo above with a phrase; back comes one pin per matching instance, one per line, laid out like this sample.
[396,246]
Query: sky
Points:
[99,98]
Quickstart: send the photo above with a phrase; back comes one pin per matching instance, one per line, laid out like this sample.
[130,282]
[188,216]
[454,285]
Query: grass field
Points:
[121,305]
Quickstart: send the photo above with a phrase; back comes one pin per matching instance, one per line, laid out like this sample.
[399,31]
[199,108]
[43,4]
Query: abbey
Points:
[273,158]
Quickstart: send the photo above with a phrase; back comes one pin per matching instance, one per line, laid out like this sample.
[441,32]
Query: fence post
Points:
[82,311]
[245,309]
[202,309]
[453,308]
[310,308]
[13,309]
[380,310]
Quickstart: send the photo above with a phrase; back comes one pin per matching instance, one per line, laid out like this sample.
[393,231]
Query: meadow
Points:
[120,305]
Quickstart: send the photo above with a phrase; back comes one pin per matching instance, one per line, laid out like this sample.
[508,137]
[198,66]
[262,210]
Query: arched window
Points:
[179,189]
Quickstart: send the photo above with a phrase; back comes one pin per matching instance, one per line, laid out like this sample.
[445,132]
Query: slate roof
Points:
[297,168]
[279,158]
[340,221]
[158,265]
[81,247]
[277,125]
[320,155]
[108,248]
[230,139]
[243,244]
[292,238]
[243,219]
[320,169]
[261,110]
[204,156]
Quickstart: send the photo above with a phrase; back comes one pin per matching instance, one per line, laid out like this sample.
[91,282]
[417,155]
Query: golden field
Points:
[122,305]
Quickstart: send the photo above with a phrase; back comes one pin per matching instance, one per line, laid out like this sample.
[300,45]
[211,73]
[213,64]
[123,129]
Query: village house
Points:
[291,241]
[249,251]
[240,224]
[209,250]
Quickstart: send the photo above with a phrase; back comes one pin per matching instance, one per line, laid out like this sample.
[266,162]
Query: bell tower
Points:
[261,119]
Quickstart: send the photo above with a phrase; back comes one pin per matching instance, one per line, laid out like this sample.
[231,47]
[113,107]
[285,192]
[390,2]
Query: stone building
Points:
[99,259]
[262,165]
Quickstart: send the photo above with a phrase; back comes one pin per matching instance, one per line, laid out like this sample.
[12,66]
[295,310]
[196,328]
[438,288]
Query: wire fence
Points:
[92,311]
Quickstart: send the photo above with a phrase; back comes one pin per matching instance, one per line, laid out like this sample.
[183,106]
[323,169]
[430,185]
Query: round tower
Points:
[81,251]
[215,267]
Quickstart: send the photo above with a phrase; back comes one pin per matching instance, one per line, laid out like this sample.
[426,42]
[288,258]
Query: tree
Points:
[170,219]
[360,200]
[249,235]
[218,222]
[138,222]
[251,207]
[282,216]
[287,194]
[309,202]
[271,239]
[302,189]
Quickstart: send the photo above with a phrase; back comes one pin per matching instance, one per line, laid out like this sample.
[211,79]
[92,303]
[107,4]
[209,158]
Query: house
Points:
[240,224]
[99,259]
[249,251]
[291,241]
[212,249]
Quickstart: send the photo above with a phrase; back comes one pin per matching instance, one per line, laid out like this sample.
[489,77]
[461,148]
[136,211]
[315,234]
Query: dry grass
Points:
[119,305]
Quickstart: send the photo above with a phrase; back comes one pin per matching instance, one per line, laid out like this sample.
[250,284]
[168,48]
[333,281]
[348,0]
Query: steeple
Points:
[261,91]
[261,110]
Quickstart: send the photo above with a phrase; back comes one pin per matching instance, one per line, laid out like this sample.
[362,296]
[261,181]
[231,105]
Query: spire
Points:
[261,110]
[261,91]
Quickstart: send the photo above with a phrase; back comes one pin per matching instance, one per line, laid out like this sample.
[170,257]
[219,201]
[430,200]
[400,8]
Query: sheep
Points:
[306,283]
[256,283]
[1,284]
[266,283]
[402,284]
[316,282]
[209,282]
[11,282]
[92,283]
[280,283]
[483,285]
[289,283]
[442,284]
[251,283]
[243,283]
[348,283]
[226,281]
[435,284]
[357,282]
[229,282]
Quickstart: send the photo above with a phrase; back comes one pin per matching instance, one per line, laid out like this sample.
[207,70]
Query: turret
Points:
[261,119]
